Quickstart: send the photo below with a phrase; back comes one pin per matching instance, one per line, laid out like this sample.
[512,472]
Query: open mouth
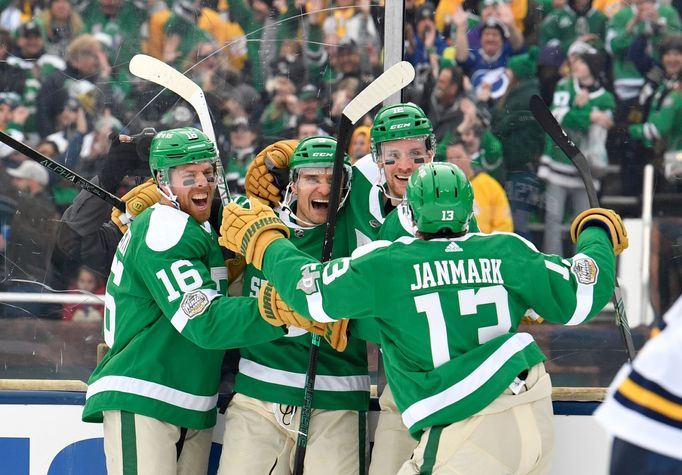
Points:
[402,178]
[320,204]
[200,200]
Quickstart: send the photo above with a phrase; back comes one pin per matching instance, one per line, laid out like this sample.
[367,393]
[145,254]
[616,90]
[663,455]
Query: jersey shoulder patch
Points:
[166,227]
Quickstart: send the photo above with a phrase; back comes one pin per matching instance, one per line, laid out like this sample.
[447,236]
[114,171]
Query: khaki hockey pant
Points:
[393,444]
[140,445]
[256,443]
[513,435]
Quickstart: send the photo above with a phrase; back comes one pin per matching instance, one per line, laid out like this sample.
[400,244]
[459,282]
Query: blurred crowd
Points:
[274,69]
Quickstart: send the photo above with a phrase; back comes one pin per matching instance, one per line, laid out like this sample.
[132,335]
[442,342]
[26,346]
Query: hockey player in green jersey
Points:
[262,417]
[167,321]
[472,389]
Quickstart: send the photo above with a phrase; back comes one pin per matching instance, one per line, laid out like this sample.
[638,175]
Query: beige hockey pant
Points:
[140,445]
[393,444]
[513,435]
[255,442]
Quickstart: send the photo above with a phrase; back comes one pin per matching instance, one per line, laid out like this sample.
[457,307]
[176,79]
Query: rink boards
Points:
[41,434]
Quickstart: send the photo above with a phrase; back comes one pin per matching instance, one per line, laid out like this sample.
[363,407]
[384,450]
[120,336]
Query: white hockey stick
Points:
[158,72]
[390,82]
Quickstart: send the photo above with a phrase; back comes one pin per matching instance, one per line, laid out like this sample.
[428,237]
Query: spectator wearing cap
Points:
[427,44]
[62,24]
[509,12]
[84,79]
[585,110]
[31,236]
[310,110]
[29,55]
[12,119]
[522,139]
[653,20]
[486,65]
[12,78]
[662,129]
[243,141]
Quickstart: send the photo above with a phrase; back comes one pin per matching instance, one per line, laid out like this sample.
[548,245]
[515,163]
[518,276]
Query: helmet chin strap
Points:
[170,196]
[383,184]
[289,196]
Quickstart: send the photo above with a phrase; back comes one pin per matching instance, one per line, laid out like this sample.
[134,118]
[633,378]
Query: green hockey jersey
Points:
[167,321]
[664,122]
[555,166]
[276,371]
[449,309]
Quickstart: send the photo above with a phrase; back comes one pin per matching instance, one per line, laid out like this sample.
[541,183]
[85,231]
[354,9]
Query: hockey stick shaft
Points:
[158,72]
[62,171]
[550,125]
[391,81]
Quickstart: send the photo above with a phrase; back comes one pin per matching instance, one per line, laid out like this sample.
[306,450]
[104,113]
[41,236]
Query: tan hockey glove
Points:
[268,174]
[276,312]
[249,232]
[137,200]
[235,267]
[606,219]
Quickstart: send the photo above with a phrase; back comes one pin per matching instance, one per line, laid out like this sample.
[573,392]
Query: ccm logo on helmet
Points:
[400,126]
[322,154]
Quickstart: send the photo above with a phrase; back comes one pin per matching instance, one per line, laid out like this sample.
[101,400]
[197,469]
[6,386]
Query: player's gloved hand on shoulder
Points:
[268,174]
[606,219]
[250,231]
[277,313]
[137,200]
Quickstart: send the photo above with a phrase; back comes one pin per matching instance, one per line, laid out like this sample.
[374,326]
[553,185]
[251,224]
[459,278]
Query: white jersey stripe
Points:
[297,380]
[557,268]
[477,378]
[151,390]
[316,310]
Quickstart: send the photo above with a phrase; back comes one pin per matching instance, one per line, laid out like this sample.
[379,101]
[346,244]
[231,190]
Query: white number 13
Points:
[469,300]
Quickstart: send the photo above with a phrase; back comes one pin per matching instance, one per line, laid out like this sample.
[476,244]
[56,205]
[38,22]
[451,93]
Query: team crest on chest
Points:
[585,270]
[194,304]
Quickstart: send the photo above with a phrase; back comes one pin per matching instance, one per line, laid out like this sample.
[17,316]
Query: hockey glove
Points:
[249,232]
[268,173]
[606,219]
[276,312]
[235,267]
[121,160]
[137,200]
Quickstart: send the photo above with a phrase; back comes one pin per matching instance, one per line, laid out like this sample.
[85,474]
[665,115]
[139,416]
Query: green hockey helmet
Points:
[440,197]
[400,121]
[316,152]
[175,147]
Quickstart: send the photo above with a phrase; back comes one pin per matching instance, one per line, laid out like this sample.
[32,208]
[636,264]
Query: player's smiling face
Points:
[312,189]
[399,158]
[194,186]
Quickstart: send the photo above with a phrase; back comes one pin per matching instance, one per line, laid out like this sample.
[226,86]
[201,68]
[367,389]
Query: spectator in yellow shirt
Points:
[491,205]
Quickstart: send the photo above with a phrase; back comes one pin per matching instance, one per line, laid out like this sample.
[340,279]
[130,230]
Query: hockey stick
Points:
[158,72]
[391,81]
[62,171]
[549,123]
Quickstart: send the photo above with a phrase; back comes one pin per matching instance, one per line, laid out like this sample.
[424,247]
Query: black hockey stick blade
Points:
[62,171]
[550,125]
